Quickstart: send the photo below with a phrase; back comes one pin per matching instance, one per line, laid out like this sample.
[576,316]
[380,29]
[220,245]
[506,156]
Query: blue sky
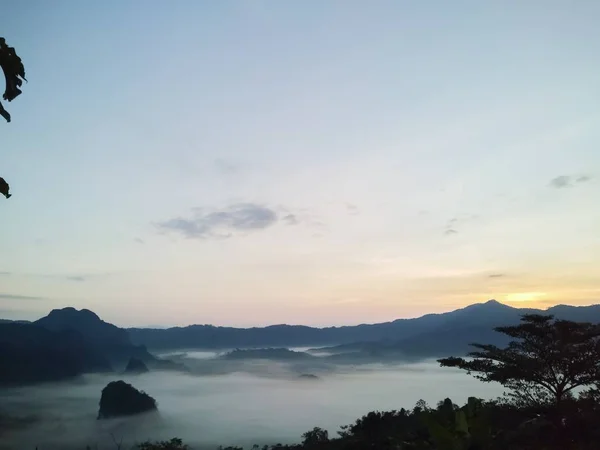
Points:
[320,162]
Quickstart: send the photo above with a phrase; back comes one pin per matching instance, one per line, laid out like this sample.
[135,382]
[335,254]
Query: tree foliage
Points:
[315,437]
[173,444]
[544,363]
[4,188]
[14,74]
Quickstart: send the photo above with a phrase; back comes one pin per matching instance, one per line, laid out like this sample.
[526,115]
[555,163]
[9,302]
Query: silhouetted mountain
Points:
[122,399]
[275,354]
[30,354]
[87,323]
[67,343]
[135,366]
[438,343]
[13,321]
[454,334]
[110,340]
[424,335]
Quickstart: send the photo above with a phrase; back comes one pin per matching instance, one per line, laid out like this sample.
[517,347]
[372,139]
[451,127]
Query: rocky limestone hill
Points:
[113,342]
[122,399]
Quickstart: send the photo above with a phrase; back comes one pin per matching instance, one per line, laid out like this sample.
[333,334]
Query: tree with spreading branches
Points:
[14,74]
[547,360]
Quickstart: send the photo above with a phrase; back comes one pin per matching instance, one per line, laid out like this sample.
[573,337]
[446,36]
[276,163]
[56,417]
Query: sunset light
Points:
[525,297]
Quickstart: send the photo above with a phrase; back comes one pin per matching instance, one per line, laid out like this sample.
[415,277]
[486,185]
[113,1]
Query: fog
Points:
[229,403]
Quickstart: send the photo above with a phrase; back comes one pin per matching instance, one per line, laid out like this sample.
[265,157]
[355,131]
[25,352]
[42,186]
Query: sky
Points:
[253,162]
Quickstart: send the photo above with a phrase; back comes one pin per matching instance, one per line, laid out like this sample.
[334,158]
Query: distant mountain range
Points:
[69,342]
[14,321]
[429,335]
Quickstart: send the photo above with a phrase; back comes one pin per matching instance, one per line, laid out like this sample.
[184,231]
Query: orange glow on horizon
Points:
[520,297]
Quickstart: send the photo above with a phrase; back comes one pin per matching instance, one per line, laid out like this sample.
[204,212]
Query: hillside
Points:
[13,321]
[426,334]
[30,354]
[113,342]
[67,343]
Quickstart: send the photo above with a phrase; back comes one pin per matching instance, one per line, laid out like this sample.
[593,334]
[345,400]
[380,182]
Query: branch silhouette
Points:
[14,74]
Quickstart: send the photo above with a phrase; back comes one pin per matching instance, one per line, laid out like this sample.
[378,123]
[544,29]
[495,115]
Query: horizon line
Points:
[166,327]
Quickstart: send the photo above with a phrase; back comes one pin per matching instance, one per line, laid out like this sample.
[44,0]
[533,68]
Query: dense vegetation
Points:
[551,369]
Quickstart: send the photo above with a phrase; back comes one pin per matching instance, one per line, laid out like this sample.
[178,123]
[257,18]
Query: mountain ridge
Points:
[491,313]
[108,339]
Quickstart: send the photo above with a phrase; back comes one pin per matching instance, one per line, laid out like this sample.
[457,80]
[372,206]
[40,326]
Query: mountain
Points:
[120,399]
[113,342]
[274,354]
[86,322]
[454,332]
[31,354]
[428,334]
[135,366]
[67,343]
[13,321]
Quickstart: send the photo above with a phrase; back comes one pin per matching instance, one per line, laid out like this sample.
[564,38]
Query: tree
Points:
[4,188]
[173,444]
[544,364]
[314,437]
[14,74]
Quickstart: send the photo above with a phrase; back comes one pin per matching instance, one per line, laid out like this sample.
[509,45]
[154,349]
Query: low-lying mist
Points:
[228,402]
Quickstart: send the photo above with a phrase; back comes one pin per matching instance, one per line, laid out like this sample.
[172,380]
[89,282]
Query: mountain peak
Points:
[70,313]
[490,304]
[494,302]
[86,322]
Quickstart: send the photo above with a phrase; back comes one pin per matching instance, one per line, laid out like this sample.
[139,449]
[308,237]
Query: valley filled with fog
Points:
[230,402]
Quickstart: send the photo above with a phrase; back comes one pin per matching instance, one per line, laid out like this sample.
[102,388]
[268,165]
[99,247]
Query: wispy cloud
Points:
[453,224]
[76,278]
[290,219]
[496,275]
[5,274]
[222,223]
[567,181]
[19,297]
[139,240]
[301,216]
[239,218]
